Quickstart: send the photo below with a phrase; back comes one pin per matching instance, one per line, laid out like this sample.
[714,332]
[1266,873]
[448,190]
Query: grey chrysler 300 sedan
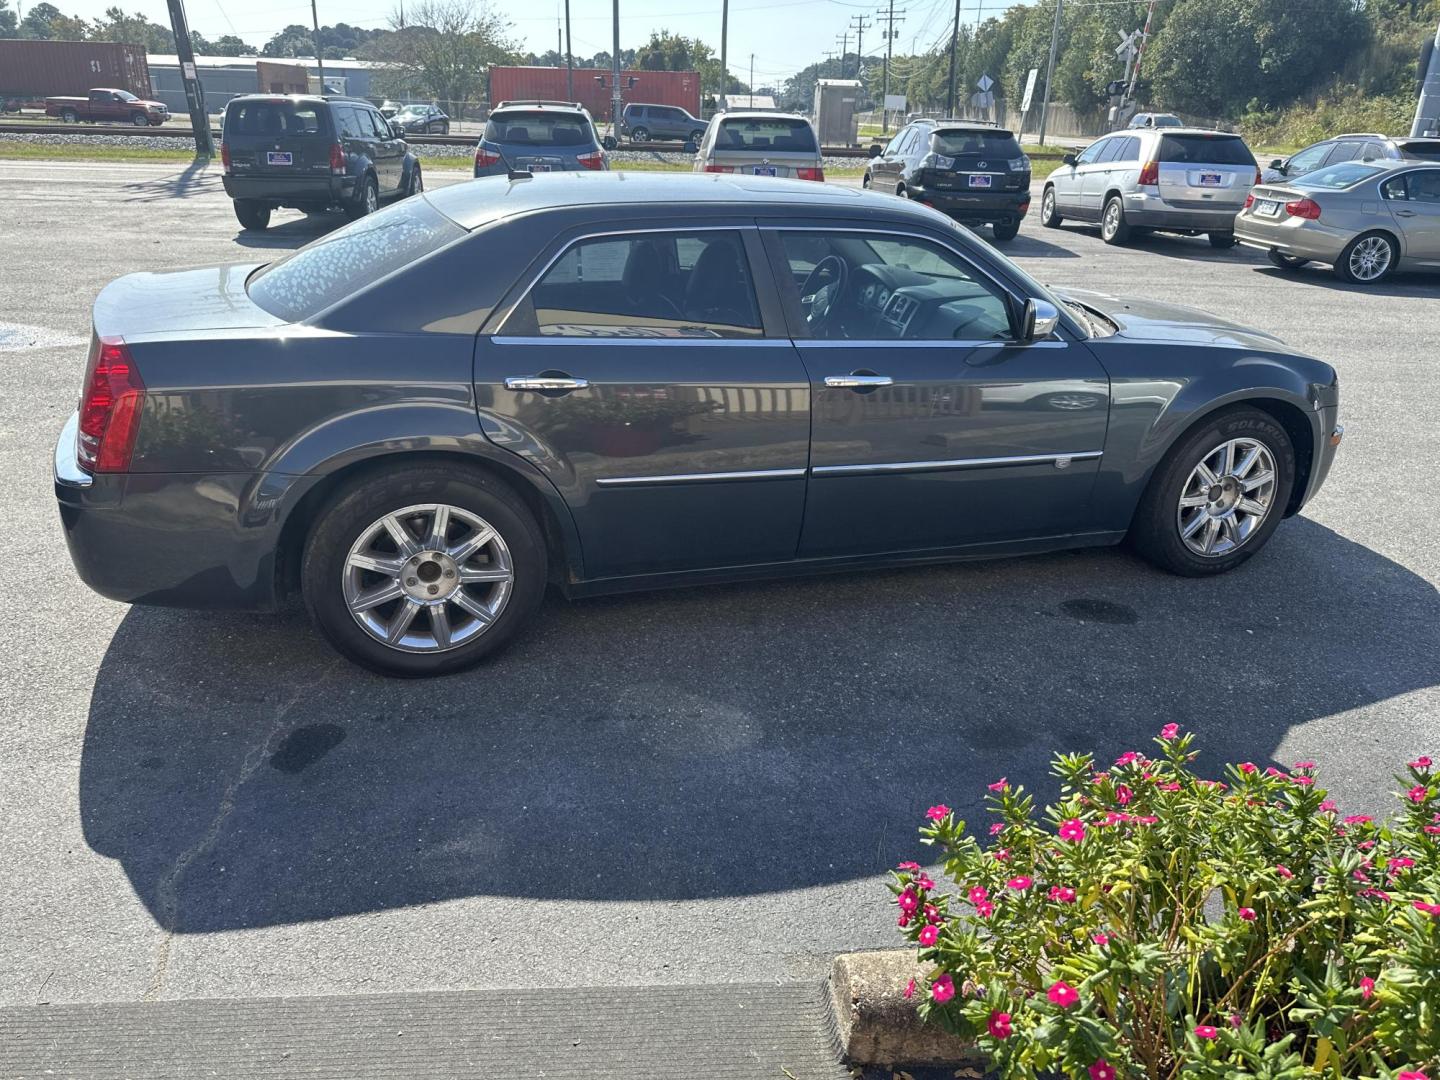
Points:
[610,381]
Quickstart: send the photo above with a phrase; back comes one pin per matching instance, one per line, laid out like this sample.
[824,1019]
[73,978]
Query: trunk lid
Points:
[212,298]
[1205,171]
[276,137]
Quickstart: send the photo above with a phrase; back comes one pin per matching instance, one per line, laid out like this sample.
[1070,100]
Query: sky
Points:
[784,35]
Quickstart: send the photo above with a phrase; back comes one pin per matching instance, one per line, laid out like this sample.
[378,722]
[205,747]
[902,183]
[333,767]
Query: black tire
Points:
[69,116]
[357,505]
[1222,240]
[1285,262]
[139,120]
[865,181]
[1114,229]
[696,136]
[1049,213]
[1346,273]
[252,214]
[367,199]
[1004,232]
[640,134]
[1155,530]
[417,181]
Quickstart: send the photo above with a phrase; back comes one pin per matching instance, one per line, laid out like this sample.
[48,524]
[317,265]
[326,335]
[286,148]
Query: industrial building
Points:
[225,77]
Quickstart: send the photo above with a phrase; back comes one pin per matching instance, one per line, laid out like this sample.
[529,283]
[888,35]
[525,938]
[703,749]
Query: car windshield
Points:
[412,110]
[125,95]
[962,143]
[789,134]
[1205,150]
[539,129]
[1344,175]
[350,260]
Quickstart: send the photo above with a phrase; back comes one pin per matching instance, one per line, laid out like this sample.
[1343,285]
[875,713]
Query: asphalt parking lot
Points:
[690,787]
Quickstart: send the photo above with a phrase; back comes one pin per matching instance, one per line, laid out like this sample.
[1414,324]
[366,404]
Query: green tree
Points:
[444,50]
[38,20]
[9,23]
[118,25]
[230,45]
[665,52]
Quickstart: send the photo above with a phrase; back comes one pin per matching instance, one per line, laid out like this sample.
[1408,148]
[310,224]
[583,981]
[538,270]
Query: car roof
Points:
[759,114]
[489,199]
[295,99]
[540,106]
[1181,131]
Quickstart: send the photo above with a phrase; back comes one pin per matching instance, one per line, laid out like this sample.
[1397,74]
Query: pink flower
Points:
[1062,994]
[908,901]
[1205,1031]
[1428,909]
[1418,793]
[938,812]
[1328,806]
[1172,786]
[1235,1020]
[1062,894]
[903,921]
[1072,830]
[929,934]
[1303,781]
[1304,765]
[1248,914]
[1432,830]
[1358,819]
[984,909]
[1100,938]
[1003,855]
[1411,1076]
[1421,763]
[1123,795]
[1102,1070]
[1270,770]
[1169,731]
[978,893]
[1127,758]
[1247,767]
[1145,819]
[1401,863]
[997,828]
[923,882]
[942,989]
[1375,894]
[1283,871]
[1367,988]
[910,989]
[999,785]
[932,913]
[1020,884]
[999,1025]
[908,867]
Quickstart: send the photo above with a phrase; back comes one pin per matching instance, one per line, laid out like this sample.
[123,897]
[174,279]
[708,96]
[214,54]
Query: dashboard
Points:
[895,302]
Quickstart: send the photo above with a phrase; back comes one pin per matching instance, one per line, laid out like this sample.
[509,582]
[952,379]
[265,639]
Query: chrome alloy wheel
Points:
[1226,498]
[1047,203]
[1370,258]
[1111,225]
[427,578]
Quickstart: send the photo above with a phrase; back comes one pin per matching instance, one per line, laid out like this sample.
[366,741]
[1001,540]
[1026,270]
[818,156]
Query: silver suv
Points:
[1184,180]
[1363,146]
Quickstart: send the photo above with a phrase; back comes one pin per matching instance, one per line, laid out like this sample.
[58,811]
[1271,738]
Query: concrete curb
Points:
[876,1025]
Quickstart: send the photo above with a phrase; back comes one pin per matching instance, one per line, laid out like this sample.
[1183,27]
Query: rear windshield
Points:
[321,274]
[1421,148]
[266,118]
[539,129]
[787,134]
[1205,150]
[997,144]
[1345,174]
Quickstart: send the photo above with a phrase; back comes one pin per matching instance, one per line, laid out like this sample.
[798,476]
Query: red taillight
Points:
[1249,200]
[811,174]
[1024,207]
[337,159]
[1259,177]
[225,156]
[1150,173]
[485,158]
[1306,208]
[719,168]
[593,160]
[110,408]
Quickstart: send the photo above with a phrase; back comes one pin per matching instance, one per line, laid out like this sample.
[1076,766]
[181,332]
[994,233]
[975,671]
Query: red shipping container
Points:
[678,88]
[34,70]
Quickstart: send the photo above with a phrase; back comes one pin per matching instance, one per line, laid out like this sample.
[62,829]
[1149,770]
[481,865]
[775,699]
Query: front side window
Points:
[650,285]
[870,287]
[1307,159]
[1092,152]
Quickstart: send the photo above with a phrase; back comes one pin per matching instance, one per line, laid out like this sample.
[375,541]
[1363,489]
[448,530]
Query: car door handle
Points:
[545,382]
[1404,213]
[857,381]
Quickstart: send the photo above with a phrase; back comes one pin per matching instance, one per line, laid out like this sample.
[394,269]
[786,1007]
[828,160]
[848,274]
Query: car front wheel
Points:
[1049,215]
[1217,497]
[423,570]
[140,120]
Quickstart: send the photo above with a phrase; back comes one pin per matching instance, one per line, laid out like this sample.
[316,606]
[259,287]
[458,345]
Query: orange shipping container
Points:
[679,88]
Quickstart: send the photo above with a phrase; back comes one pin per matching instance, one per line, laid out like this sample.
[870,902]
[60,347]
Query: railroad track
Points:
[168,132]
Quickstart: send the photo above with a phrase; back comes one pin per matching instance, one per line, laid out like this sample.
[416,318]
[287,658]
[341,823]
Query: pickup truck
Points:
[114,106]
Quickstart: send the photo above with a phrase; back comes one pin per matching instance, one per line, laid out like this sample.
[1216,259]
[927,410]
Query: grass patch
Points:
[28,151]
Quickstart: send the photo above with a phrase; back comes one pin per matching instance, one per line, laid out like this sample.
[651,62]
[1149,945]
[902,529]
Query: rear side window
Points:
[337,266]
[539,129]
[349,121]
[988,144]
[1205,150]
[785,134]
[274,118]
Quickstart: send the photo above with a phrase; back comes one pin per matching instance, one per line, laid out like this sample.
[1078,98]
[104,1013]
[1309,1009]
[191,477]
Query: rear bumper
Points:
[1297,237]
[992,206]
[1150,211]
[291,190]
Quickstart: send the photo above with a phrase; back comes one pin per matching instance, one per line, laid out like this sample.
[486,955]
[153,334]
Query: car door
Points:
[1095,176]
[1417,213]
[931,427]
[885,169]
[1069,179]
[649,375]
[388,151]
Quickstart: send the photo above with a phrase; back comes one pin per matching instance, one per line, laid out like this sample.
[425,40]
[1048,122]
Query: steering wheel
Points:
[819,296]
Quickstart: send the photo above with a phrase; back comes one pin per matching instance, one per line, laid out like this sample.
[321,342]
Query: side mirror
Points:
[396,130]
[1068,159]
[609,142]
[875,150]
[691,146]
[1278,164]
[1038,320]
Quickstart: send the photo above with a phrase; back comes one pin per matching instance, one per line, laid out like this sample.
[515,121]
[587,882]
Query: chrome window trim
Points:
[927,343]
[623,339]
[954,463]
[686,478]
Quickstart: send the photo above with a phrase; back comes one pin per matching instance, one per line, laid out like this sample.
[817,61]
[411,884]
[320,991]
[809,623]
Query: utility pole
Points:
[752,80]
[860,27]
[569,59]
[319,59]
[194,94]
[844,40]
[1050,72]
[890,33]
[724,41]
[1427,105]
[954,48]
[615,77]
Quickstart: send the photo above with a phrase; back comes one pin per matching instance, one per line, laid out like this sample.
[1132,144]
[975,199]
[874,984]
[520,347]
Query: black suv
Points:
[974,172]
[642,123]
[314,154]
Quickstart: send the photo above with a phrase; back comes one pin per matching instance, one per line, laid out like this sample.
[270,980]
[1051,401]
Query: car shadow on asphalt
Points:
[1026,246]
[291,234]
[715,742]
[1413,285]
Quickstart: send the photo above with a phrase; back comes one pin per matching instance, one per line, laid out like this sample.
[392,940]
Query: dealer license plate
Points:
[980,180]
[279,157]
[1211,179]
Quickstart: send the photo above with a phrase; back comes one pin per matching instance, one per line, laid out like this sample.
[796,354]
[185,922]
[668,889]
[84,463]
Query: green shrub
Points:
[1157,923]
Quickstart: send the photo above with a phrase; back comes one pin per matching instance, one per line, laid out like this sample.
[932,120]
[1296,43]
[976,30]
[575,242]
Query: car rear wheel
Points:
[1049,215]
[1004,231]
[1217,497]
[423,570]
[367,199]
[252,214]
[1285,262]
[69,116]
[1113,227]
[1222,240]
[1368,259]
[640,134]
